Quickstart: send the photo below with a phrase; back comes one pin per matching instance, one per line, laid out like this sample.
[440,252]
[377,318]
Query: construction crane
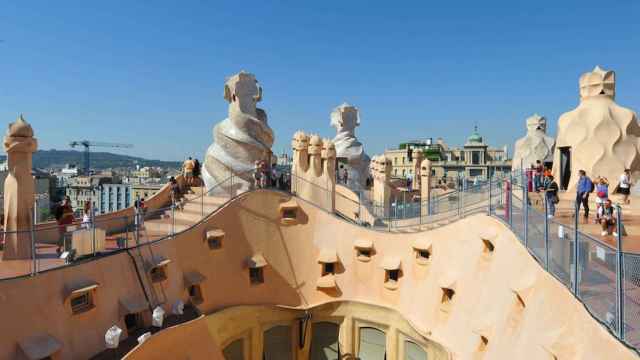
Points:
[89,144]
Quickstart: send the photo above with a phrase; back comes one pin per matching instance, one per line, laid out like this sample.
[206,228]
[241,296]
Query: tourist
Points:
[64,217]
[264,180]
[409,182]
[547,172]
[583,189]
[624,186]
[196,172]
[257,175]
[537,176]
[274,176]
[602,194]
[551,196]
[607,219]
[86,215]
[187,168]
[345,175]
[175,193]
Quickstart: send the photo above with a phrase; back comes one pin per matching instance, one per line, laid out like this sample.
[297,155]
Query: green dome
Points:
[475,137]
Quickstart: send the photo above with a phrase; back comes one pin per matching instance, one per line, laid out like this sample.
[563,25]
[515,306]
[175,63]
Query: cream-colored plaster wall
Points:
[250,322]
[551,321]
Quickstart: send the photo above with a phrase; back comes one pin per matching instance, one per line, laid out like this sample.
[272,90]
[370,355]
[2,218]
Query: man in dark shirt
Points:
[583,189]
[551,195]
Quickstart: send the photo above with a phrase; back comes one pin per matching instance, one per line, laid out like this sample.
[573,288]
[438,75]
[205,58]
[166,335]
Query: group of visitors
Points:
[191,170]
[605,212]
[269,177]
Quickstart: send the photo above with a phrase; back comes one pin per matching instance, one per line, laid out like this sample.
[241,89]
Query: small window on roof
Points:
[82,302]
[364,253]
[423,254]
[256,276]
[133,322]
[393,275]
[195,294]
[328,268]
[158,274]
[214,239]
[158,270]
[288,213]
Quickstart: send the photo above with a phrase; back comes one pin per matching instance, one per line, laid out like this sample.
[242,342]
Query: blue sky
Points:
[153,75]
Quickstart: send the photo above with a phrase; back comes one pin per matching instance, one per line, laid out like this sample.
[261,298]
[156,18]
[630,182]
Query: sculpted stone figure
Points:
[345,119]
[241,139]
[536,145]
[19,189]
[599,136]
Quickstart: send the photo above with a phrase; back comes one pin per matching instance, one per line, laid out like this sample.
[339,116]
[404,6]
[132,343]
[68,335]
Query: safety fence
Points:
[593,267]
[601,275]
[54,245]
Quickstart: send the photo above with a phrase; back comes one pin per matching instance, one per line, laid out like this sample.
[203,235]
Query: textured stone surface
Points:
[242,138]
[345,119]
[313,169]
[19,145]
[603,135]
[536,145]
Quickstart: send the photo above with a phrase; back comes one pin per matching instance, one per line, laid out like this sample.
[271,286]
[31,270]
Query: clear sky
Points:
[152,74]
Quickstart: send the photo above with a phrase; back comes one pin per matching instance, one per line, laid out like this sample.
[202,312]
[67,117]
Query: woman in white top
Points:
[86,215]
[624,187]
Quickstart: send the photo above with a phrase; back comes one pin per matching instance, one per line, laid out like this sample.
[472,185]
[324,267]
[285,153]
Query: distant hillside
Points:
[99,160]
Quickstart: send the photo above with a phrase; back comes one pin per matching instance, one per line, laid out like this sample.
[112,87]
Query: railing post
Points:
[93,228]
[575,251]
[34,270]
[137,226]
[620,274]
[510,189]
[490,195]
[126,229]
[173,219]
[525,205]
[546,232]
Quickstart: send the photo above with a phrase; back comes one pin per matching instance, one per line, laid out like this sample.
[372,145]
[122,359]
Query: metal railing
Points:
[594,268]
[601,275]
[111,233]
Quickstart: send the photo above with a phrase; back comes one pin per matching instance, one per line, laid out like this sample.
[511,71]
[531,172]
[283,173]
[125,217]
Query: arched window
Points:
[324,341]
[277,343]
[234,351]
[372,344]
[413,351]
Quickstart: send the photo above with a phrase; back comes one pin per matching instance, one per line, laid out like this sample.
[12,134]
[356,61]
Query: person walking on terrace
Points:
[551,196]
[64,217]
[607,219]
[187,168]
[624,186]
[175,193]
[86,215]
[196,172]
[537,176]
[602,195]
[584,188]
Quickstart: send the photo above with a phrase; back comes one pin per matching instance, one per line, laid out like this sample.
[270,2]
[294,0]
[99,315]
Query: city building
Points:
[114,197]
[474,159]
[104,194]
[144,191]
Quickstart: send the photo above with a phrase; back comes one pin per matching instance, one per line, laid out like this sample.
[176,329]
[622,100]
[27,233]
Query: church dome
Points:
[475,137]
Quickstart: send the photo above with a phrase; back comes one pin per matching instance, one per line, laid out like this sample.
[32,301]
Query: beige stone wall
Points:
[206,337]
[503,296]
